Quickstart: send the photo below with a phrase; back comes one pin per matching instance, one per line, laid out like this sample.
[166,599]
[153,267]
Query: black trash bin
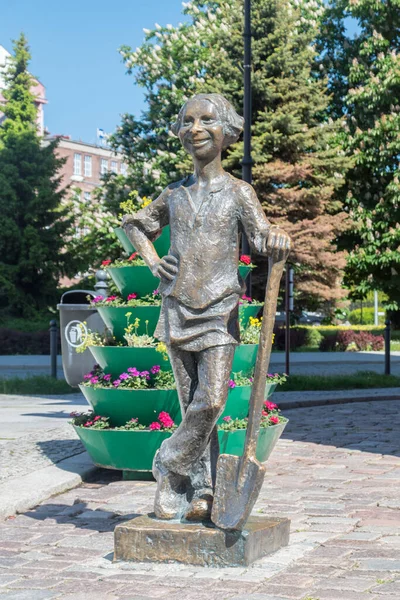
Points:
[76,317]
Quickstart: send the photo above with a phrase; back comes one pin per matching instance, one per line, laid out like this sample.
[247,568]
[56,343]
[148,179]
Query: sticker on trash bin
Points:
[75,333]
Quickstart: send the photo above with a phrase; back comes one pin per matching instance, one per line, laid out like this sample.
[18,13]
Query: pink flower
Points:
[156,369]
[132,257]
[116,383]
[133,371]
[96,418]
[144,374]
[270,405]
[165,419]
[232,384]
[94,380]
[131,296]
[124,376]
[154,426]
[156,292]
[245,258]
[111,298]
[88,423]
[88,375]
[246,298]
[227,419]
[105,263]
[107,377]
[97,299]
[274,420]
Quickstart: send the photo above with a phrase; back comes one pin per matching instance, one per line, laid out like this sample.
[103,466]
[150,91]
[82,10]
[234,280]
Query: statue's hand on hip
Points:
[166,268]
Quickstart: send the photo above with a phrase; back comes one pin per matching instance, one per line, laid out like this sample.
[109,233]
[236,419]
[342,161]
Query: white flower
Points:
[146,31]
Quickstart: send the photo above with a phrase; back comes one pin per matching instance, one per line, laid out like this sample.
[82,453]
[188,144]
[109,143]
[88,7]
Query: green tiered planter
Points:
[161,244]
[237,405]
[117,359]
[122,405]
[115,319]
[244,271]
[245,312]
[134,280]
[135,450]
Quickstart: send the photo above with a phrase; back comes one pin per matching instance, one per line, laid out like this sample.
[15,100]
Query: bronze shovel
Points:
[239,479]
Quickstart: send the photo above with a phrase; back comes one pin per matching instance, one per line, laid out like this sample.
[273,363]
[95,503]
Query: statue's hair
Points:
[232,122]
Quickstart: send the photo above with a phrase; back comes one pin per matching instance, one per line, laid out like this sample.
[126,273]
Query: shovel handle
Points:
[275,270]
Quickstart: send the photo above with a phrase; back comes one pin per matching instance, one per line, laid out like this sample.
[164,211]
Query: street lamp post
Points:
[247,161]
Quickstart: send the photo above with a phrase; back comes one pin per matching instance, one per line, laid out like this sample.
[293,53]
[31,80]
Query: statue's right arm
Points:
[143,227]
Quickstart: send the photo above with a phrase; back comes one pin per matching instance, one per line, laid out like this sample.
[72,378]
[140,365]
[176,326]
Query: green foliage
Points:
[367,314]
[298,162]
[360,380]
[313,337]
[40,384]
[33,223]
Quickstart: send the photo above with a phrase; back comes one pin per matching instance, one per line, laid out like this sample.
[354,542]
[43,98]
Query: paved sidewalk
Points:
[335,473]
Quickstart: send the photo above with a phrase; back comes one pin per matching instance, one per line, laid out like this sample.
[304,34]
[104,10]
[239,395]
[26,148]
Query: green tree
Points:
[32,224]
[372,141]
[298,160]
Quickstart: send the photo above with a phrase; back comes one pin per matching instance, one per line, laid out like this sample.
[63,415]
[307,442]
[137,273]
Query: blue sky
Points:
[74,48]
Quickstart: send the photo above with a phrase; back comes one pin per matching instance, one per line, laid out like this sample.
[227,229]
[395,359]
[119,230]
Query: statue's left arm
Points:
[263,237]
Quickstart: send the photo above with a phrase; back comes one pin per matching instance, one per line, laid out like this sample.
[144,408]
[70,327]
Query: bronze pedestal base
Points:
[147,539]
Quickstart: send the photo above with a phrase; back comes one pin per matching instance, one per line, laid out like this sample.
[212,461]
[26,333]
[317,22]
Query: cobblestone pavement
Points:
[335,473]
[37,450]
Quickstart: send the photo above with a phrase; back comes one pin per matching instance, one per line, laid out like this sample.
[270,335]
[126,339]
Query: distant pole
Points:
[288,310]
[247,161]
[387,347]
[53,348]
[376,317]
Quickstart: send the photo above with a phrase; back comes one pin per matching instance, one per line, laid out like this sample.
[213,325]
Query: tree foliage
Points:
[32,225]
[298,161]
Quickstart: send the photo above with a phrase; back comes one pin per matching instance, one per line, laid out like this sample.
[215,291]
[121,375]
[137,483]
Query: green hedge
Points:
[315,334]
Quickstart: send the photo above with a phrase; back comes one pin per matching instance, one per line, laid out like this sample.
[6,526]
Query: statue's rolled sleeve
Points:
[253,220]
[151,219]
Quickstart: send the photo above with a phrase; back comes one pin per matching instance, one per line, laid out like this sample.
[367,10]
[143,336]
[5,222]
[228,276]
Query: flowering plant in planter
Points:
[238,379]
[153,299]
[271,415]
[246,301]
[245,261]
[91,421]
[131,379]
[251,333]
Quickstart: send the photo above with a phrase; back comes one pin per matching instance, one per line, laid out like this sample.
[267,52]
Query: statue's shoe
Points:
[170,501]
[200,507]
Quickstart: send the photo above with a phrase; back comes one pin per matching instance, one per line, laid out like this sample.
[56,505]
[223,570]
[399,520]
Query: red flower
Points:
[154,426]
[270,405]
[133,256]
[105,263]
[131,296]
[245,258]
[165,419]
[111,298]
[274,420]
[227,419]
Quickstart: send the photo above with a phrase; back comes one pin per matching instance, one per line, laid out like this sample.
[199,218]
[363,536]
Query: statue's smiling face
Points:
[201,132]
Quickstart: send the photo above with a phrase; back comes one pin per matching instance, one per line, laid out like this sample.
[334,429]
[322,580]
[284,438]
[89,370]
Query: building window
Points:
[114,166]
[77,164]
[103,166]
[86,196]
[123,169]
[88,166]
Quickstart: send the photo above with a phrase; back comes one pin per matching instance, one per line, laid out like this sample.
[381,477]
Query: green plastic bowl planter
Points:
[124,450]
[245,312]
[232,442]
[134,280]
[121,405]
[244,271]
[117,359]
[115,319]
[161,244]
[244,358]
[237,405]
[135,450]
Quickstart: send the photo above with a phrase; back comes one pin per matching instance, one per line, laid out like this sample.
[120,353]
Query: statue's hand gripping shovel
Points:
[239,479]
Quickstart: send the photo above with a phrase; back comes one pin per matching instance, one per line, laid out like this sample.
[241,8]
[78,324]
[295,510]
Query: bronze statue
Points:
[201,287]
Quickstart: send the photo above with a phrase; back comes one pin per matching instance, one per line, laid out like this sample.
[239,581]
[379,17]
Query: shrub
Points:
[352,340]
[328,343]
[25,342]
[368,316]
[313,337]
[298,337]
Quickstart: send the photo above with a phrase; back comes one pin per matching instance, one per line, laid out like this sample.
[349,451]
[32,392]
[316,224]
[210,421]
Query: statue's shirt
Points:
[200,306]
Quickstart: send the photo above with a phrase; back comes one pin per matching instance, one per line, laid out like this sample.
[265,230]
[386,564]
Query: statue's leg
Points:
[186,452]
[171,499]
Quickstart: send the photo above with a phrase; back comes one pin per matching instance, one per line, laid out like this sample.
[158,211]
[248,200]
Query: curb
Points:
[307,403]
[20,494]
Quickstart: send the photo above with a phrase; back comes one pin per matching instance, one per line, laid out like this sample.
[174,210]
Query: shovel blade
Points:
[237,488]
